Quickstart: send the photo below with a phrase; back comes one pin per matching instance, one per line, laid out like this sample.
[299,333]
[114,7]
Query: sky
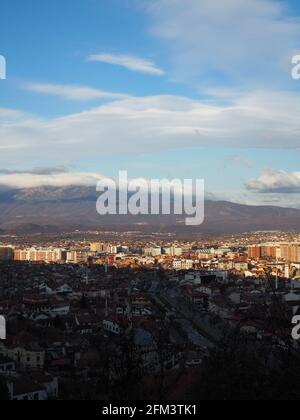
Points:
[160,88]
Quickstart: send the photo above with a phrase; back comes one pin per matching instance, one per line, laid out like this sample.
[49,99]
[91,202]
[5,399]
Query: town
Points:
[102,319]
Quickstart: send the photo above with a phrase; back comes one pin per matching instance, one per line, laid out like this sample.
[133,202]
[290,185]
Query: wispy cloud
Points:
[72,93]
[240,42]
[130,62]
[237,160]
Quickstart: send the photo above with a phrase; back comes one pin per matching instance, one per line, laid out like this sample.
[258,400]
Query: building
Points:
[154,251]
[22,390]
[112,249]
[241,266]
[173,251]
[183,264]
[255,251]
[26,357]
[6,253]
[290,252]
[98,247]
[77,256]
[7,365]
[47,255]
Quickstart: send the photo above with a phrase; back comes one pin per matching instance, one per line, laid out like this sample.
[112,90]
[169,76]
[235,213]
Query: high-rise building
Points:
[255,251]
[47,255]
[154,251]
[290,252]
[269,250]
[173,251]
[97,247]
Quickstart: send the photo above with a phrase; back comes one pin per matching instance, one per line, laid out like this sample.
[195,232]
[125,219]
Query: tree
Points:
[126,366]
[4,394]
[242,368]
[83,302]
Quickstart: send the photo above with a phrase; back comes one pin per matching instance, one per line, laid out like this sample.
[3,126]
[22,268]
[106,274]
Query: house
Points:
[65,289]
[24,390]
[28,357]
[193,278]
[219,307]
[7,365]
[146,347]
[205,290]
[235,297]
[241,266]
[85,323]
[111,326]
[48,382]
[292,297]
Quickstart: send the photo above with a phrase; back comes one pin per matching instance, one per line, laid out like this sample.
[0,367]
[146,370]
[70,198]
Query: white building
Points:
[173,251]
[183,264]
[154,251]
[111,326]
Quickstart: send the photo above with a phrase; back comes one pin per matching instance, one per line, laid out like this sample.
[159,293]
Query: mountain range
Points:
[47,209]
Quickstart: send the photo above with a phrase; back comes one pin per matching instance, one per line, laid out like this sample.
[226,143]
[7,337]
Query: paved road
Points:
[206,328]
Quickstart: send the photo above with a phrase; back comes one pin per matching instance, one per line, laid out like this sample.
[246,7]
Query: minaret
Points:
[287,271]
[276,282]
[106,265]
[106,305]
[87,276]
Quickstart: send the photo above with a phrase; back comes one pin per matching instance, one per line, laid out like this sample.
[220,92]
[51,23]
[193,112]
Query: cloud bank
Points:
[37,171]
[146,124]
[276,182]
[30,180]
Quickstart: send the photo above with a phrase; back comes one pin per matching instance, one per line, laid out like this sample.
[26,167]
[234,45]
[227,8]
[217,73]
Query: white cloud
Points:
[72,93]
[151,124]
[29,180]
[242,41]
[48,170]
[130,62]
[10,114]
[276,182]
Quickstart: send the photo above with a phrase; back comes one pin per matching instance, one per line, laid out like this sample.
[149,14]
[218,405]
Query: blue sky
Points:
[159,88]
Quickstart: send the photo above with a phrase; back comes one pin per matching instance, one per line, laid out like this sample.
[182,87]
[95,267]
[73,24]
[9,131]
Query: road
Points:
[211,332]
[169,300]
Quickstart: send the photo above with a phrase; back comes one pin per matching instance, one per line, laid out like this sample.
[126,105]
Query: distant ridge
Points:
[46,209]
